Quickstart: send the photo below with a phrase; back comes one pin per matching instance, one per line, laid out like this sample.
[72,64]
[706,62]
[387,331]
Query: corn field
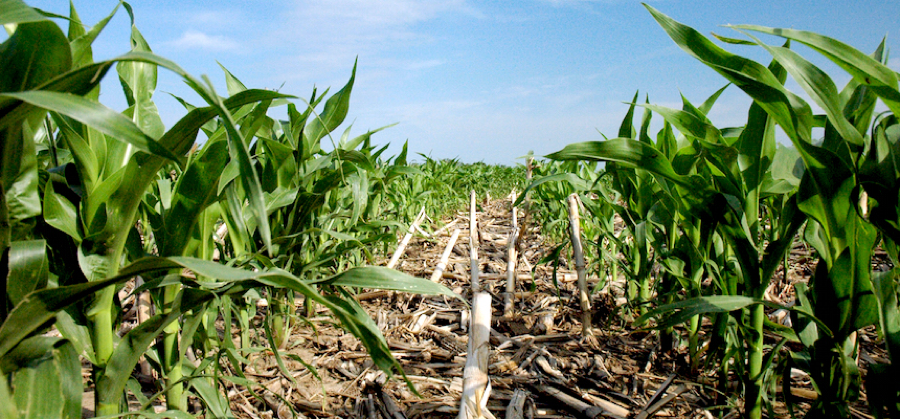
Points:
[201,270]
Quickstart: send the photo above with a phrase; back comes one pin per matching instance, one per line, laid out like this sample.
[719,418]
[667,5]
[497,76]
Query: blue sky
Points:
[479,81]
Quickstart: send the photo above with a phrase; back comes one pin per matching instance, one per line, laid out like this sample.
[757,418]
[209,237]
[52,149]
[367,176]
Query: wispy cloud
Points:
[324,36]
[369,22]
[194,39]
[583,2]
[384,13]
[213,17]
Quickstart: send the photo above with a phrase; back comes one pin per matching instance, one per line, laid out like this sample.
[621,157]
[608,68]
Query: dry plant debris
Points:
[540,366]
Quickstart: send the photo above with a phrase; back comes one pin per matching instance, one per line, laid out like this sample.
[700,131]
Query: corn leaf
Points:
[792,113]
[28,269]
[16,11]
[819,87]
[862,67]
[336,108]
[388,279]
[39,391]
[194,192]
[96,116]
[631,152]
[60,213]
[133,345]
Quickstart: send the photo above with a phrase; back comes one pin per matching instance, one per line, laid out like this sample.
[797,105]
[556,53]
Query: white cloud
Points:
[582,2]
[213,17]
[193,38]
[382,13]
[372,23]
[326,35]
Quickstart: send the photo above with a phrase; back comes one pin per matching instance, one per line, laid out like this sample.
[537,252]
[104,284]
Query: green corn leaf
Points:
[28,269]
[96,116]
[84,159]
[364,138]
[861,66]
[237,147]
[279,360]
[19,177]
[879,175]
[233,84]
[39,391]
[64,390]
[187,128]
[21,69]
[388,279]
[346,310]
[336,108]
[844,297]
[826,190]
[8,409]
[69,363]
[792,113]
[81,40]
[820,88]
[571,178]
[194,192]
[29,351]
[356,157]
[885,288]
[133,345]
[679,312]
[16,11]
[757,141]
[359,191]
[631,152]
[215,400]
[711,100]
[626,128]
[280,167]
[39,307]
[60,213]
[77,334]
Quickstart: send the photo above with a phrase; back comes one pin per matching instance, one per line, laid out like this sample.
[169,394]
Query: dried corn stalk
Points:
[412,229]
[476,383]
[442,265]
[511,258]
[583,296]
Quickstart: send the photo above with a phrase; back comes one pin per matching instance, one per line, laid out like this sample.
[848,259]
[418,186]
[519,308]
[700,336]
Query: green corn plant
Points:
[828,193]
[59,86]
[109,207]
[322,207]
[83,199]
[712,168]
[879,176]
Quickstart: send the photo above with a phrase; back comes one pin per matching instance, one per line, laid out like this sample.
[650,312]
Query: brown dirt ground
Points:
[537,351]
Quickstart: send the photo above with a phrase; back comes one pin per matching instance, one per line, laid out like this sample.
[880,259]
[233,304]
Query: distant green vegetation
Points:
[443,186]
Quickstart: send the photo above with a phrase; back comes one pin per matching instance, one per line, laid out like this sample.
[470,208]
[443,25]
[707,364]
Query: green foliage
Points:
[91,198]
[717,210]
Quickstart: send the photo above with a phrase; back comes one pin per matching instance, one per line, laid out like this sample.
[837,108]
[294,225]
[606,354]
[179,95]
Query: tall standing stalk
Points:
[753,393]
[511,259]
[578,253]
[473,404]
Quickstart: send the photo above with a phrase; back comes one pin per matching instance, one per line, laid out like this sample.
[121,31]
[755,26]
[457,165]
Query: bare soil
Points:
[539,359]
